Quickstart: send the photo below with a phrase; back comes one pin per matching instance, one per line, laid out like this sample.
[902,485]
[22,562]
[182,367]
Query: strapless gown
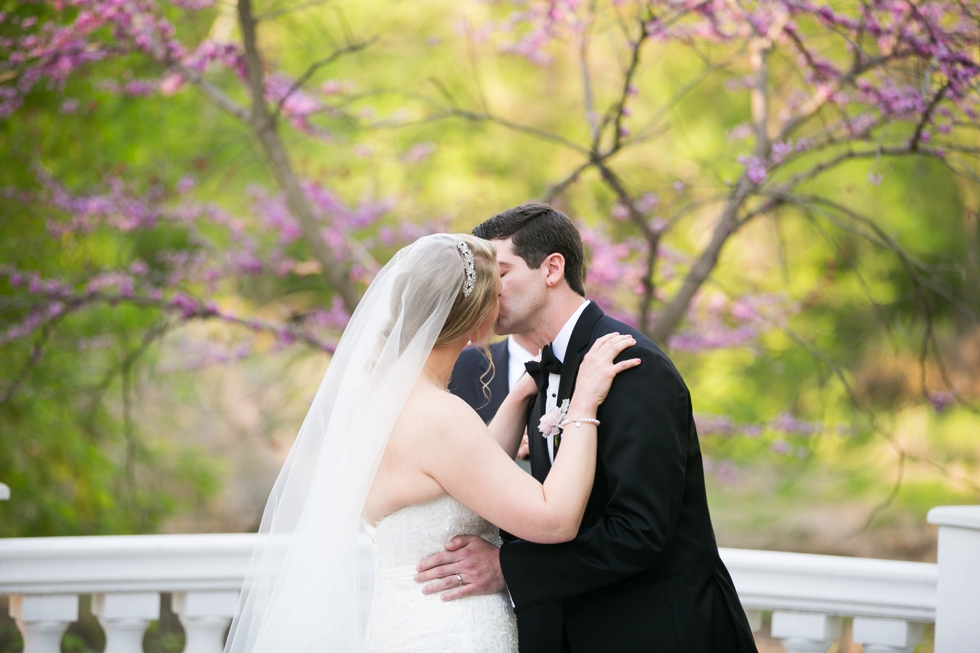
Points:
[402,619]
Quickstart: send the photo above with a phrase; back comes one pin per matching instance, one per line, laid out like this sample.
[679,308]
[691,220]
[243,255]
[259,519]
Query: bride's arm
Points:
[467,461]
[507,426]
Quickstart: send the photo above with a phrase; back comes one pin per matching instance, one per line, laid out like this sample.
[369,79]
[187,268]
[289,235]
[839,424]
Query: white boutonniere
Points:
[549,424]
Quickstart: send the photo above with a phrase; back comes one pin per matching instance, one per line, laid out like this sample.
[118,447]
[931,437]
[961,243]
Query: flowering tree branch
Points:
[264,123]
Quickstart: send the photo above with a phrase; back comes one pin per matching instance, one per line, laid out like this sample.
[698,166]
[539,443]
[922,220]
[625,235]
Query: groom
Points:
[643,574]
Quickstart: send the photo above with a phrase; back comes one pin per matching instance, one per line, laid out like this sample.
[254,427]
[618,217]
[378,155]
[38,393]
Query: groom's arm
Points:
[643,449]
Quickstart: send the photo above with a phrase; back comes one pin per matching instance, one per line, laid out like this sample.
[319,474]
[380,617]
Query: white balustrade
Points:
[205,617]
[805,632]
[958,614]
[886,635]
[808,595]
[124,617]
[755,619]
[43,619]
[4,492]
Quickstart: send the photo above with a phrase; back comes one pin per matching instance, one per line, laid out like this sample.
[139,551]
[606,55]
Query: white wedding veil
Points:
[300,593]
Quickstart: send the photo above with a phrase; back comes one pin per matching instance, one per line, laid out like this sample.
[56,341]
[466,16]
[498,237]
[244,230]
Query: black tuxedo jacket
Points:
[643,574]
[466,380]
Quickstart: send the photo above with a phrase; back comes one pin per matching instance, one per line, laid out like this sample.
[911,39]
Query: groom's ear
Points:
[554,269]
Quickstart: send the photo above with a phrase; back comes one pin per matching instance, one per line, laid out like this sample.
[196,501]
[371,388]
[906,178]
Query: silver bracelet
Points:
[578,421]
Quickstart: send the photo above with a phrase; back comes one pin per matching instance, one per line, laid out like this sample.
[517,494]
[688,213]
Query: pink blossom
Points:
[740,132]
[185,184]
[185,304]
[419,152]
[755,168]
[788,424]
[780,150]
[941,400]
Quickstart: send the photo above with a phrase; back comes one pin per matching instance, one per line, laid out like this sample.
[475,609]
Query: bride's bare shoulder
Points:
[437,412]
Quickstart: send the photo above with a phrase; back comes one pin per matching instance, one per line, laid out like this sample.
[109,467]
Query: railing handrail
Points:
[837,585]
[171,563]
[124,563]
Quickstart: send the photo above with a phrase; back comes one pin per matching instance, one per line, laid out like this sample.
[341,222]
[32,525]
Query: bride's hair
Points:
[468,313]
[417,290]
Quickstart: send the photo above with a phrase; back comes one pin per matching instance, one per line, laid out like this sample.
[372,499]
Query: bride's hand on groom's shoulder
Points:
[469,565]
[525,388]
[598,367]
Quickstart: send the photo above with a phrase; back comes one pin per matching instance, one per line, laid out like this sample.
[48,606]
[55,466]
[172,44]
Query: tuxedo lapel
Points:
[538,445]
[578,346]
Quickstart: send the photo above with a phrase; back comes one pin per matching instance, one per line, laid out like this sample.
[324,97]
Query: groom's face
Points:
[523,291]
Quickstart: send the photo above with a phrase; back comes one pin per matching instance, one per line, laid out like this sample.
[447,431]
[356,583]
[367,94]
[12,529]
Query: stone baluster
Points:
[205,615]
[958,587]
[124,617]
[805,632]
[43,619]
[755,619]
[886,635]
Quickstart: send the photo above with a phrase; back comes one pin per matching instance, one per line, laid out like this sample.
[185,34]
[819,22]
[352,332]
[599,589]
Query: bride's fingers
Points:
[625,365]
[619,346]
[615,340]
[607,350]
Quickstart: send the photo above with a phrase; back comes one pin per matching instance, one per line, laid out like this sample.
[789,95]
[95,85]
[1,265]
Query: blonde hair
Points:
[468,313]
[420,286]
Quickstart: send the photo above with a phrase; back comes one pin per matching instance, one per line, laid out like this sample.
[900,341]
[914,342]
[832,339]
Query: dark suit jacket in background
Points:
[643,574]
[465,381]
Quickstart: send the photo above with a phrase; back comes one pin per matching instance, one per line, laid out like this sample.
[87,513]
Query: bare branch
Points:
[914,143]
[820,355]
[350,48]
[881,507]
[583,56]
[276,13]
[759,95]
[825,166]
[818,100]
[560,187]
[877,237]
[264,125]
[37,352]
[517,127]
[213,93]
[631,70]
[652,238]
[708,70]
[673,312]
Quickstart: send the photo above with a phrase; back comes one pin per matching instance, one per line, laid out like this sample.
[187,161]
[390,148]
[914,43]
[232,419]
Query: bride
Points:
[385,447]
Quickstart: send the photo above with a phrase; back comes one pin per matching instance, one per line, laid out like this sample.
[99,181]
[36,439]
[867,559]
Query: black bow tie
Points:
[539,370]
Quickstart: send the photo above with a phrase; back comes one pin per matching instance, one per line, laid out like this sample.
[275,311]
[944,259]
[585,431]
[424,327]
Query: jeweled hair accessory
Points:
[467,254]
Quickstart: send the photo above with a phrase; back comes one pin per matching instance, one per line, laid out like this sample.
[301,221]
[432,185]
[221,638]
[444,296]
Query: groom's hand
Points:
[475,560]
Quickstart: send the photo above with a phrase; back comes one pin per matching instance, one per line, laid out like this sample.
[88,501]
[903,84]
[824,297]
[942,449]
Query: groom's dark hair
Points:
[537,231]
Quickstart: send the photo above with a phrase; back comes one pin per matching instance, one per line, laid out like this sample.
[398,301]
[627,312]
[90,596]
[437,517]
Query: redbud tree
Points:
[679,132]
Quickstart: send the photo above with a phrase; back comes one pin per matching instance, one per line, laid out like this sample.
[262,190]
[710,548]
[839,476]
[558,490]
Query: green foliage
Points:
[77,465]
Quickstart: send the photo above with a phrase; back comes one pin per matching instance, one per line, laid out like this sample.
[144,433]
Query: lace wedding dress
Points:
[403,619]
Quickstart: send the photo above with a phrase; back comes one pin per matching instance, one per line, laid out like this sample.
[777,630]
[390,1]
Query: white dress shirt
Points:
[559,346]
[517,356]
